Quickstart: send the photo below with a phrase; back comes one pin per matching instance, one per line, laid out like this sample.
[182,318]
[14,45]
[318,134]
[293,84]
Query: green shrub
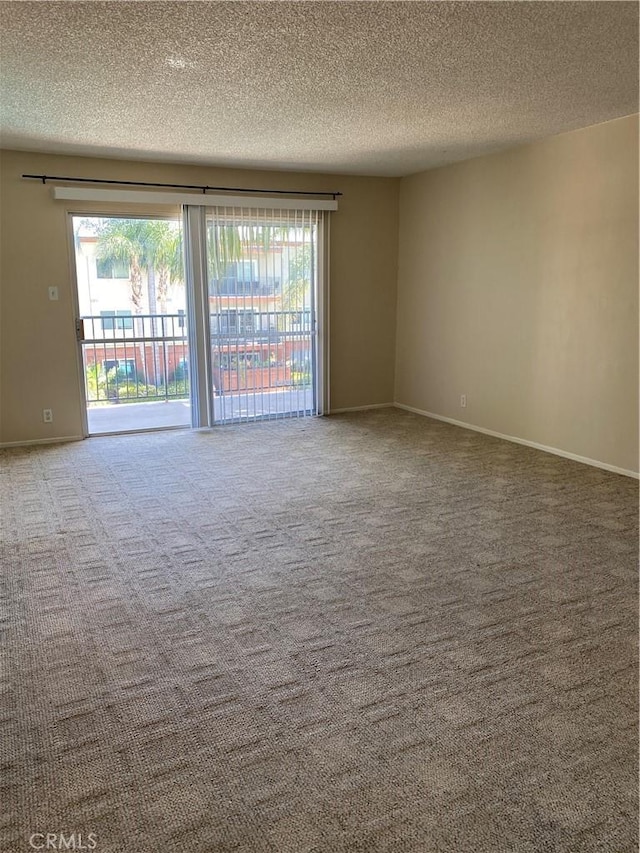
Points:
[127,390]
[177,389]
[300,378]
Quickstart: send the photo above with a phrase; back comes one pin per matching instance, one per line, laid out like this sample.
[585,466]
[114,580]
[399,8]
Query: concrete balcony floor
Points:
[136,417]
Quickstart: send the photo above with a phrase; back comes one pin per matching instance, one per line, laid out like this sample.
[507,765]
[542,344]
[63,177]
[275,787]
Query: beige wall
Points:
[38,362]
[518,286]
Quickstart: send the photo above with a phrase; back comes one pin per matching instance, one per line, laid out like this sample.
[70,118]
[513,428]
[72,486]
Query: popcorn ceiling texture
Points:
[368,88]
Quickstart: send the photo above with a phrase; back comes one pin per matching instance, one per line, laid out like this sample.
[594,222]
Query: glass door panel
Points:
[132,323]
[262,292]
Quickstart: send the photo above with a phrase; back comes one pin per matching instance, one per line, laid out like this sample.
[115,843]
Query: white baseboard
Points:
[361,408]
[564,453]
[61,439]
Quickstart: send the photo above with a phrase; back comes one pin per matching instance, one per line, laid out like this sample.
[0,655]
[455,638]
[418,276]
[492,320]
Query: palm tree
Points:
[224,245]
[165,267]
[131,241]
[166,258]
[151,246]
[127,241]
[154,248]
[296,292]
[228,243]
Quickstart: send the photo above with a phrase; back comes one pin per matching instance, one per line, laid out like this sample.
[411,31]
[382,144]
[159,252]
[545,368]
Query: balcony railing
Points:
[145,357]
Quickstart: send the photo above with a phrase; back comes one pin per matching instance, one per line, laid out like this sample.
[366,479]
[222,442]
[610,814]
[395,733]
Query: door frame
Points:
[75,305]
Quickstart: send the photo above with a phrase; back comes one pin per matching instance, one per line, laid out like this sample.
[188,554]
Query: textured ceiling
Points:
[378,88]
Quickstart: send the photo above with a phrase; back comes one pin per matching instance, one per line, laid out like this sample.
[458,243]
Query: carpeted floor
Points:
[371,632]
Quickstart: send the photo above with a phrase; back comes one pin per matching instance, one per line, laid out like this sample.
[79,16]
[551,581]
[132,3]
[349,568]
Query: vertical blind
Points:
[262,270]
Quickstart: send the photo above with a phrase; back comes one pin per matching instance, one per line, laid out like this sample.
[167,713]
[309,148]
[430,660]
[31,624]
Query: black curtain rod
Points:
[204,189]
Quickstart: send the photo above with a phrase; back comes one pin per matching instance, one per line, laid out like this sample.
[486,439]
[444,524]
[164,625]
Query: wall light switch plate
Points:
[53,294]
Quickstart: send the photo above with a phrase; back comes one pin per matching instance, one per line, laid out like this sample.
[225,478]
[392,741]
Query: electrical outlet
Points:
[463,401]
[47,416]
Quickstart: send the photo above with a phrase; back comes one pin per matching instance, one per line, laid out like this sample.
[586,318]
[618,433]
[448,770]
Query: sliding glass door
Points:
[262,290]
[131,323]
[212,320]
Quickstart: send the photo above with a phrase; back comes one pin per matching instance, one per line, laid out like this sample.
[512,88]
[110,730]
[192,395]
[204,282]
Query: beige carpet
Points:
[371,632]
